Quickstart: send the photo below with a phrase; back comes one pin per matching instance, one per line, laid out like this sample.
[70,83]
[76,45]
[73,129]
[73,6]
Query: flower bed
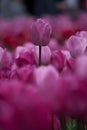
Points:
[43,76]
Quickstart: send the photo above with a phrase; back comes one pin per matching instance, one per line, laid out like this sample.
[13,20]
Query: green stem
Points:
[39,55]
[63,123]
[52,118]
[80,125]
[85,127]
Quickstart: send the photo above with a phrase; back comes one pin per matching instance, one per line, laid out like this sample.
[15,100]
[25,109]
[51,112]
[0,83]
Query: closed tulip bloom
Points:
[6,58]
[48,73]
[71,63]
[76,45]
[24,56]
[24,73]
[41,31]
[82,34]
[81,67]
[58,60]
[45,56]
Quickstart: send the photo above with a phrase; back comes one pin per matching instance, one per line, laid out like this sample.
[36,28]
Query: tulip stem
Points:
[63,123]
[86,127]
[52,121]
[80,125]
[39,55]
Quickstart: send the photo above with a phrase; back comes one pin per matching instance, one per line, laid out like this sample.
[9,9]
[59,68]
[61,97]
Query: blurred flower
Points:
[81,66]
[24,55]
[71,63]
[6,59]
[72,97]
[67,33]
[82,34]
[76,45]
[24,73]
[58,60]
[53,44]
[21,107]
[46,78]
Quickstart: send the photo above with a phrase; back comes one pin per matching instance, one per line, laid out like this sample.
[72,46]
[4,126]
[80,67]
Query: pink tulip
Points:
[53,44]
[66,54]
[45,55]
[47,83]
[48,72]
[81,67]
[76,45]
[24,56]
[71,63]
[58,60]
[82,34]
[41,31]
[6,59]
[29,46]
[24,74]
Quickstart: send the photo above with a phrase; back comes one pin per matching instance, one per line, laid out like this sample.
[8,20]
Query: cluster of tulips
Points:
[17,31]
[43,85]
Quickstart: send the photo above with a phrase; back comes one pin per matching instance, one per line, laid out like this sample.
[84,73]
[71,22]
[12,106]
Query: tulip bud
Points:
[45,56]
[58,60]
[41,31]
[76,45]
[81,67]
[82,34]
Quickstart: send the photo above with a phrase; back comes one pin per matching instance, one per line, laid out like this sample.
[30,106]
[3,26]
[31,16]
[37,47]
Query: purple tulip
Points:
[41,31]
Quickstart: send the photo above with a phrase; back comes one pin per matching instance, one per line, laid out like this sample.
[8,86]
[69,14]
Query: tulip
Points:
[45,56]
[81,67]
[76,45]
[71,63]
[47,83]
[24,73]
[24,56]
[41,31]
[6,59]
[82,34]
[58,60]
[53,44]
